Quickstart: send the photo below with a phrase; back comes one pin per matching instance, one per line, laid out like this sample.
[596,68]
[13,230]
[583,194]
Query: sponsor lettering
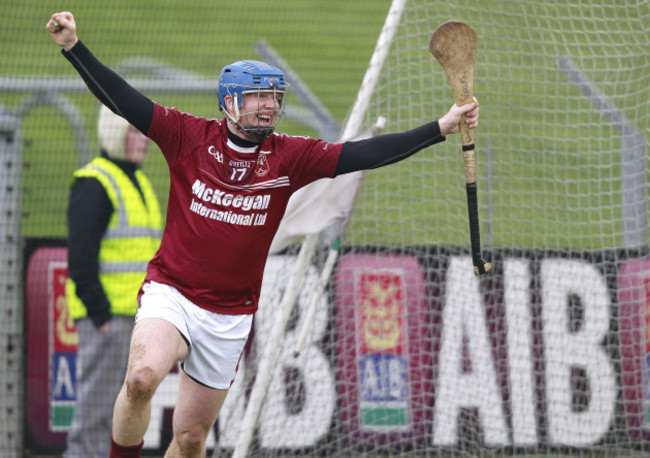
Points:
[529,354]
[279,427]
[239,219]
[466,368]
[214,196]
[224,199]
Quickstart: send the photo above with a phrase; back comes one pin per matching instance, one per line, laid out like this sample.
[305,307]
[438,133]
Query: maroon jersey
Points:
[225,205]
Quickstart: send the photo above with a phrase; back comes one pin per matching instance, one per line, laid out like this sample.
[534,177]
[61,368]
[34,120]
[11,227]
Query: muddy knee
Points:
[141,385]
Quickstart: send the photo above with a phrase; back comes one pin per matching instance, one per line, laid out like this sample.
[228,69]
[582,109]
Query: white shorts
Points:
[215,341]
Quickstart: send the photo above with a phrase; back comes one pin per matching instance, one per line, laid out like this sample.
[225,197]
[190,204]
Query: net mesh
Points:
[408,353]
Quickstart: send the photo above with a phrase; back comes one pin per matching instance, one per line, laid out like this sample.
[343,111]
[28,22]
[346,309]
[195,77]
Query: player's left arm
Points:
[381,150]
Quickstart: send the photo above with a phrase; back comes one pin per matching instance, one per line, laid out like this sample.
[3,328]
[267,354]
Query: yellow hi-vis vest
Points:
[130,241]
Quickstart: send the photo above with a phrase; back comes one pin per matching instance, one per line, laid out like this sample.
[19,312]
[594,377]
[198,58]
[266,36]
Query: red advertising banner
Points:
[384,352]
[51,349]
[634,314]
[551,350]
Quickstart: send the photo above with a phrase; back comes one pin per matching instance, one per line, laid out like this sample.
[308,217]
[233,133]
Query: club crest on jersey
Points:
[262,167]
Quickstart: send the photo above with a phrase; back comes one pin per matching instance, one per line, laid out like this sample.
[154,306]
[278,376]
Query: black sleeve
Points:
[386,149]
[111,89]
[89,212]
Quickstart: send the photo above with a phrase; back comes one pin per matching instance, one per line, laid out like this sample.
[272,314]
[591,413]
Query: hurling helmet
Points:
[251,77]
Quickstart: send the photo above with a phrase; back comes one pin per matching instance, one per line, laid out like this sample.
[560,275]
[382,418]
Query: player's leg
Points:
[156,346]
[208,371]
[195,413]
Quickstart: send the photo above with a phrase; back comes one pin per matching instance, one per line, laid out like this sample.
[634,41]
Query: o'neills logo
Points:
[262,167]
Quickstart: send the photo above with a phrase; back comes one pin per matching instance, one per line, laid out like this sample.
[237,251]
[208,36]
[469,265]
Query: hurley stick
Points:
[453,44]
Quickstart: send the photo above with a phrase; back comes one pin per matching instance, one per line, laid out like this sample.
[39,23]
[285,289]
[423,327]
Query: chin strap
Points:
[255,134]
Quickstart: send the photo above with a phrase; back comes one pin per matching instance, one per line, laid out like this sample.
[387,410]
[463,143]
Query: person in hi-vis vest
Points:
[114,228]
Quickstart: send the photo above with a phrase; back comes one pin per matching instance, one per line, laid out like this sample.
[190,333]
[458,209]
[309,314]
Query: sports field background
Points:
[556,178]
[329,44]
[549,162]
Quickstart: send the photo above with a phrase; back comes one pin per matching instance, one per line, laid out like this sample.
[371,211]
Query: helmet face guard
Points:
[250,78]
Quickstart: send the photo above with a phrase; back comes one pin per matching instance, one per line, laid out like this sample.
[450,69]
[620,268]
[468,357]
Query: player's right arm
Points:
[109,87]
[63,29]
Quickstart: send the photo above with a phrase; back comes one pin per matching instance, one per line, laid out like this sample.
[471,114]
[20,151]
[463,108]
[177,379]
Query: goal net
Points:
[409,352]
[373,336]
